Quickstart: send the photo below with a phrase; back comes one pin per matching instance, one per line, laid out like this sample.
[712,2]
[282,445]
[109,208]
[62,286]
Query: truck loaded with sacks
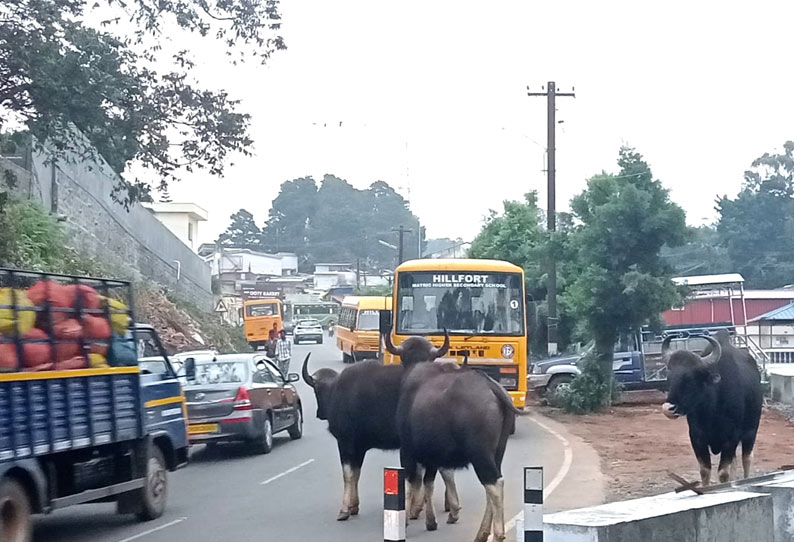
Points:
[91,409]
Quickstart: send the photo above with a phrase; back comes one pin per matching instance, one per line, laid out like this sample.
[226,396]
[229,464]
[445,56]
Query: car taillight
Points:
[243,400]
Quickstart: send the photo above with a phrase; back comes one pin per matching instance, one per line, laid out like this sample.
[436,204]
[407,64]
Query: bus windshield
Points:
[263,309]
[464,302]
[368,320]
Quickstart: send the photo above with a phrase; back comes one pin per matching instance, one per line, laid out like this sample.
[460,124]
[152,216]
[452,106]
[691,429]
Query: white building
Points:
[181,218]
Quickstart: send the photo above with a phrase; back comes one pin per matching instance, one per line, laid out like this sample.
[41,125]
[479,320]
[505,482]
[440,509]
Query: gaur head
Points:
[691,377]
[322,382]
[416,349]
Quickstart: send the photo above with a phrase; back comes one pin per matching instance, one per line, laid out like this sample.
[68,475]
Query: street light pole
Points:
[402,231]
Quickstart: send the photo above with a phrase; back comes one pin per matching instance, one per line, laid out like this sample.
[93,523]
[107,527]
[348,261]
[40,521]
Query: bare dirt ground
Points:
[638,445]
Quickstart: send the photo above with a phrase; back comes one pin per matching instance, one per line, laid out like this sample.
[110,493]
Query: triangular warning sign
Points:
[220,307]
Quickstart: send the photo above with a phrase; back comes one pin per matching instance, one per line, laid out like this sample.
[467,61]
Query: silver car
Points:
[242,398]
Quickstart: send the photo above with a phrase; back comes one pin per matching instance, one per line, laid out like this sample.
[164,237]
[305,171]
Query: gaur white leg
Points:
[451,500]
[747,463]
[430,511]
[487,520]
[354,502]
[415,500]
[496,494]
[347,475]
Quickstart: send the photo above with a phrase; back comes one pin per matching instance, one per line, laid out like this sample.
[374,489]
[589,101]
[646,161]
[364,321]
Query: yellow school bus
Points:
[357,333]
[482,305]
[259,317]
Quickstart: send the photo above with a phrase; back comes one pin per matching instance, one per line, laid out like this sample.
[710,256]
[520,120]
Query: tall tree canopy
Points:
[518,235]
[622,223]
[334,221]
[124,85]
[757,226]
[242,232]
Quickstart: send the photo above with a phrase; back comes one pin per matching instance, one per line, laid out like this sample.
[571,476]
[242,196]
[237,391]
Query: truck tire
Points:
[154,494]
[15,524]
[558,381]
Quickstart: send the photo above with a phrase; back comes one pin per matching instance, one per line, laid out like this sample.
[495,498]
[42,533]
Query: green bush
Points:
[588,392]
[29,237]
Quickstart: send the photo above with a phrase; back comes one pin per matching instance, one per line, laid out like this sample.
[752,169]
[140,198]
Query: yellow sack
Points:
[27,318]
[119,322]
[97,361]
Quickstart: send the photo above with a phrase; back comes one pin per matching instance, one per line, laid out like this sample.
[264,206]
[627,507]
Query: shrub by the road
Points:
[588,392]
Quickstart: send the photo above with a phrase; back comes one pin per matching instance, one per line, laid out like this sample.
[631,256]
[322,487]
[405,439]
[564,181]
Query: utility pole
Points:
[551,209]
[358,273]
[402,231]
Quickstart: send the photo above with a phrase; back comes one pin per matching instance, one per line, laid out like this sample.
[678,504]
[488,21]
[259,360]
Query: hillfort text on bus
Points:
[482,305]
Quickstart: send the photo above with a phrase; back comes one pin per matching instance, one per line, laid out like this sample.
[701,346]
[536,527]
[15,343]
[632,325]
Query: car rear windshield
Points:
[221,372]
[309,323]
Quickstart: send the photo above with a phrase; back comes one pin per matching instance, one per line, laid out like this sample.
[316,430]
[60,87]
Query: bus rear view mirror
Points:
[385,322]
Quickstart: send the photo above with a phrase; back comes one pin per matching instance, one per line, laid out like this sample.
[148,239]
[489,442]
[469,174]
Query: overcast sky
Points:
[432,99]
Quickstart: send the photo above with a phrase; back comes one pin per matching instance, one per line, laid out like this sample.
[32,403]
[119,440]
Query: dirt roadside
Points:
[637,446]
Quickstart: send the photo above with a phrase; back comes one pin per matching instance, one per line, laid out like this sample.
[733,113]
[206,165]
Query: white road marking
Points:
[557,480]
[288,471]
[150,531]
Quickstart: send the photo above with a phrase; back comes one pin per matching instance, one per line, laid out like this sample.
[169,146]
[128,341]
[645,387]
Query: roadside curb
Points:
[584,484]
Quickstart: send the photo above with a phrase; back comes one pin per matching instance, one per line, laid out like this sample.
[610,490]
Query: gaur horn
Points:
[438,352]
[394,350]
[306,376]
[716,351]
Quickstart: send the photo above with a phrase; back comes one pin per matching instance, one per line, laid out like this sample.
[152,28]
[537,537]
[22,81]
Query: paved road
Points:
[294,493]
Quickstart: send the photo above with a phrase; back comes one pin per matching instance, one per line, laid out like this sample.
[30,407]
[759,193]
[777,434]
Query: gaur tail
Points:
[504,398]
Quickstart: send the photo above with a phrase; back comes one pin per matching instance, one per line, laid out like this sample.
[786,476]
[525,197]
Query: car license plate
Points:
[202,428]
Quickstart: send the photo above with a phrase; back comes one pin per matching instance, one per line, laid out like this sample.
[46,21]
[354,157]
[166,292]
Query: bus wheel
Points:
[15,525]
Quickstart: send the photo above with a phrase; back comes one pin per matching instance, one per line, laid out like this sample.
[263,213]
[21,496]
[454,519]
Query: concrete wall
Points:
[782,384]
[713,517]
[133,239]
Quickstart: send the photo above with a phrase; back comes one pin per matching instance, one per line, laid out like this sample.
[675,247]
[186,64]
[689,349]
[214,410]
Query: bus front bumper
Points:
[519,398]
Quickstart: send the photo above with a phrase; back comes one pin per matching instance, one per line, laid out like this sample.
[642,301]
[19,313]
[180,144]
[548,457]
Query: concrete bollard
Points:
[530,528]
[393,505]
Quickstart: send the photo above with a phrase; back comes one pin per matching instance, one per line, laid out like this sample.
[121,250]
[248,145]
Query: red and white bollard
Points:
[531,528]
[394,505]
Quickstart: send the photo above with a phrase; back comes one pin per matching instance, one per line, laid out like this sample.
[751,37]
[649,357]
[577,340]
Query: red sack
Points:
[57,294]
[96,327]
[35,353]
[68,329]
[99,348]
[78,362]
[42,367]
[87,296]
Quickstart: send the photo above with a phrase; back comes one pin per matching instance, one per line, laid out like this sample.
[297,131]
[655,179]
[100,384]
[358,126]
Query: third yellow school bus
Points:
[482,305]
[357,333]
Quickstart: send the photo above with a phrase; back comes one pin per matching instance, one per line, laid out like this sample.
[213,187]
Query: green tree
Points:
[621,281]
[757,226]
[117,84]
[287,228]
[518,235]
[242,232]
[702,255]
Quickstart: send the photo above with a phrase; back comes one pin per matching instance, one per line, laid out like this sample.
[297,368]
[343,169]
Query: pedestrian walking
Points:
[283,353]
[270,345]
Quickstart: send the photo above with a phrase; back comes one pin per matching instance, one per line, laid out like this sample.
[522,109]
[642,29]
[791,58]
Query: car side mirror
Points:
[190,369]
[293,377]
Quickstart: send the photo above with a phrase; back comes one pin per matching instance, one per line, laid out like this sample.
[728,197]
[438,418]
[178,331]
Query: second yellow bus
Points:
[357,333]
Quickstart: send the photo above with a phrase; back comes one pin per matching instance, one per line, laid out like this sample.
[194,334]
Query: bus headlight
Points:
[507,351]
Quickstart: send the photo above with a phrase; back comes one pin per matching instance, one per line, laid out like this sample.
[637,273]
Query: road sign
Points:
[221,307]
